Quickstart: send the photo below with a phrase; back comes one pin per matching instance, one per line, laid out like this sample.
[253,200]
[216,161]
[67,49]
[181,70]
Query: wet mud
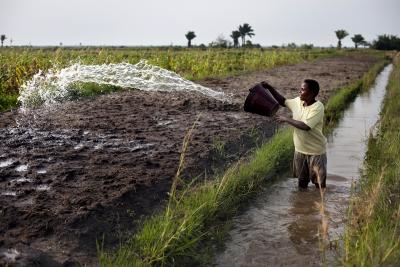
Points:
[90,170]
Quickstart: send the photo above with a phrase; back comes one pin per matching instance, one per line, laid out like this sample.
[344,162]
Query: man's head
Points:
[309,90]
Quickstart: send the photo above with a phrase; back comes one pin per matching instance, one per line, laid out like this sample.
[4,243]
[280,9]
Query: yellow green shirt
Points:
[311,142]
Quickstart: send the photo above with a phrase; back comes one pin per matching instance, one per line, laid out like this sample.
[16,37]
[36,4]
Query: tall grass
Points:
[173,235]
[373,235]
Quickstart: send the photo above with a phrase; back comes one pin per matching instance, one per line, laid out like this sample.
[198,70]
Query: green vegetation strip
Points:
[373,235]
[18,65]
[173,235]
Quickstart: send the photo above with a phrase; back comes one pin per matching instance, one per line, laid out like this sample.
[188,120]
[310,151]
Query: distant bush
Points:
[249,44]
[220,42]
[203,47]
[386,42]
[307,46]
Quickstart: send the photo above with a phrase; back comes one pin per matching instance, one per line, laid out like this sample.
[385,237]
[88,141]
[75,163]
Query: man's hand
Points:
[279,118]
[266,85]
[298,124]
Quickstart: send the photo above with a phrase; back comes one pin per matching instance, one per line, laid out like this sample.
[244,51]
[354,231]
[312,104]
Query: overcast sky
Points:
[157,22]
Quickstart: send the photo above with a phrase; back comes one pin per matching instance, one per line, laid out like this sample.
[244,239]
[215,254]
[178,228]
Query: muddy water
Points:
[281,227]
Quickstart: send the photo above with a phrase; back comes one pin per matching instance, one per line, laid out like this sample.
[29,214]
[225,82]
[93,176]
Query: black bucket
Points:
[260,101]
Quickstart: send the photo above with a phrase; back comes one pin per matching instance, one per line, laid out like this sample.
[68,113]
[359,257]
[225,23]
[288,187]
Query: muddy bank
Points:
[83,170]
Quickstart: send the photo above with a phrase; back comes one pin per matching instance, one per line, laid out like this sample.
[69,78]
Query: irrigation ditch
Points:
[195,217]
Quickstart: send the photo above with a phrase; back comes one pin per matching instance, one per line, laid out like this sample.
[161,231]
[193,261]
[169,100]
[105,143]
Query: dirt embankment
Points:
[92,168]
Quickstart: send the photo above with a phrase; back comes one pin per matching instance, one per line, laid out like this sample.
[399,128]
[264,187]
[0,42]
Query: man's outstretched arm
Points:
[280,98]
[298,124]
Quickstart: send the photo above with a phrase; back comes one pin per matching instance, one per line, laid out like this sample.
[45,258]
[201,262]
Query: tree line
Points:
[383,42]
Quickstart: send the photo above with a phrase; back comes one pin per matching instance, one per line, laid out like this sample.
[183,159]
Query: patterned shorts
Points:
[310,167]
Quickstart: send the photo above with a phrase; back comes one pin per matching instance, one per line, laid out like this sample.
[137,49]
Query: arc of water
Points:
[54,86]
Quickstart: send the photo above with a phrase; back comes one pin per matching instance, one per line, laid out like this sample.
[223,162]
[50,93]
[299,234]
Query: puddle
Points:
[41,171]
[43,188]
[9,193]
[6,163]
[22,180]
[281,226]
[22,168]
[97,147]
[10,255]
[140,146]
[79,146]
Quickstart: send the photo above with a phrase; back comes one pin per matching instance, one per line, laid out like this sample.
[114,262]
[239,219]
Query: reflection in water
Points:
[304,230]
[281,227]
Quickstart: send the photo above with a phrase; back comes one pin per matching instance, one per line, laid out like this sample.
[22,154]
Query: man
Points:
[309,162]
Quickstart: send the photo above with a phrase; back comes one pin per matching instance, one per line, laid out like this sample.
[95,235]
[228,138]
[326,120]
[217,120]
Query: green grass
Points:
[173,236]
[8,101]
[88,89]
[373,235]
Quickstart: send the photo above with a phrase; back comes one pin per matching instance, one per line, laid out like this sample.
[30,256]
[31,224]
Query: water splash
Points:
[55,85]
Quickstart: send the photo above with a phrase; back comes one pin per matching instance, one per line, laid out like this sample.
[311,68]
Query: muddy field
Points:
[73,174]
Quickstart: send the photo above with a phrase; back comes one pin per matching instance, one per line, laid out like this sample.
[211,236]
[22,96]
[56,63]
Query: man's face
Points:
[305,93]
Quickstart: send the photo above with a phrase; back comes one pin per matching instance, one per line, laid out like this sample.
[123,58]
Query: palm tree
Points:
[235,36]
[357,39]
[244,30]
[190,36]
[340,34]
[3,37]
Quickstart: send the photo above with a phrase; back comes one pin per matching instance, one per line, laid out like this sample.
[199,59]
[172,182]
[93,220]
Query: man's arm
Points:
[275,94]
[298,124]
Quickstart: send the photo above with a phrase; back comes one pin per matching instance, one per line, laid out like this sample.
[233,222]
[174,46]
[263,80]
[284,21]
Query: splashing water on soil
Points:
[58,85]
